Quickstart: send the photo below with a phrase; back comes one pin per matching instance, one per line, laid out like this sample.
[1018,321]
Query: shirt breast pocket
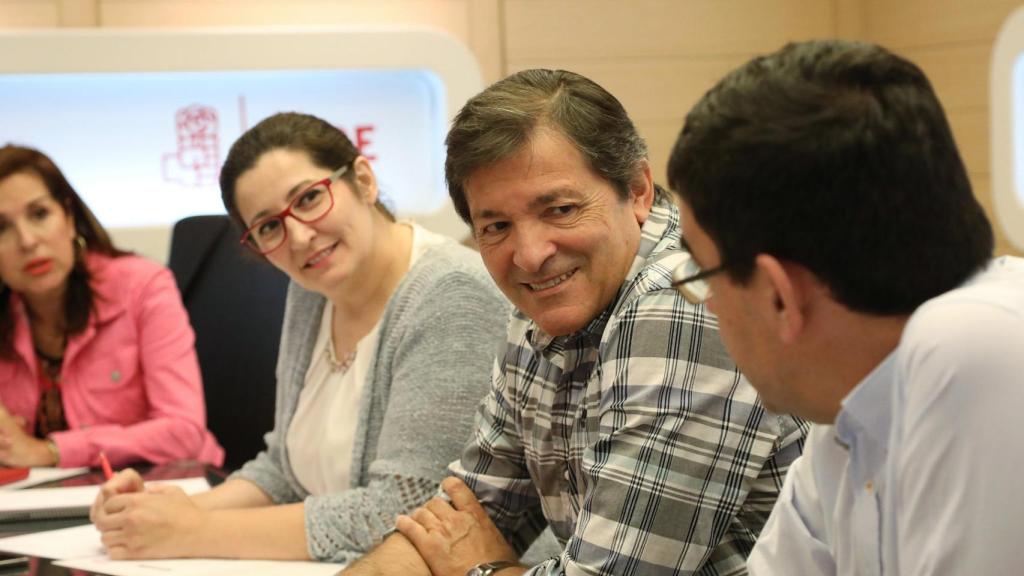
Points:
[109,385]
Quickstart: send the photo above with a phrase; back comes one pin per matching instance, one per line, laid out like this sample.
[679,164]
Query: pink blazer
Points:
[131,382]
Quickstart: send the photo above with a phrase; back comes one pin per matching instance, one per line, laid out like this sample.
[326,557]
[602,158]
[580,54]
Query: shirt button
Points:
[869,486]
[565,475]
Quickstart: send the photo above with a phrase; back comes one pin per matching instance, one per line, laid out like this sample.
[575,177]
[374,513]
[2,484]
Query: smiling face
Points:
[320,256]
[555,236]
[36,238]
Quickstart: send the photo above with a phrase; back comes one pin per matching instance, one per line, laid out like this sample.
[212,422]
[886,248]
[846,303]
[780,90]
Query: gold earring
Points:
[80,244]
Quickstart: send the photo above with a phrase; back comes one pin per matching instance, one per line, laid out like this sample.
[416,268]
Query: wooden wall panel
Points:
[29,14]
[450,15]
[983,191]
[598,29]
[474,22]
[907,23]
[971,130]
[658,57]
[648,88]
[959,72]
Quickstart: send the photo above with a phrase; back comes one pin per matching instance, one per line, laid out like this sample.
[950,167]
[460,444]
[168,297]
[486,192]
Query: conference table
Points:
[44,567]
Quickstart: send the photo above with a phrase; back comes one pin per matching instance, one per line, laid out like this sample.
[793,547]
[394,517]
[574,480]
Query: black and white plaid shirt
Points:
[635,438]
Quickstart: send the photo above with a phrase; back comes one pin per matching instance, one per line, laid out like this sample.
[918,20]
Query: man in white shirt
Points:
[833,231]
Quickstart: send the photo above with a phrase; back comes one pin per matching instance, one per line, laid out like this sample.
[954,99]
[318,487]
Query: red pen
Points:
[108,472]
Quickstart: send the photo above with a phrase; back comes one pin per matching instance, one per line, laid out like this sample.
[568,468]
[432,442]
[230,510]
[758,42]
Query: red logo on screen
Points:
[196,162]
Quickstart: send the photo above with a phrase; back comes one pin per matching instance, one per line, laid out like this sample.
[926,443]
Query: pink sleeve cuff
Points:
[74,449]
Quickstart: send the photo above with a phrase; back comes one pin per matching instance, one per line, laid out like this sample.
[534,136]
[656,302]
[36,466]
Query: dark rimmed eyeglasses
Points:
[689,280]
[309,206]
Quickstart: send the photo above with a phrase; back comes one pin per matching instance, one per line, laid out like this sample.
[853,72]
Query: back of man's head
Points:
[496,123]
[836,156]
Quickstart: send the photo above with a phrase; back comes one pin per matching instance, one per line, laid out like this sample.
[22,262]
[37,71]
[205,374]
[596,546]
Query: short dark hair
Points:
[837,156]
[496,123]
[78,299]
[327,146]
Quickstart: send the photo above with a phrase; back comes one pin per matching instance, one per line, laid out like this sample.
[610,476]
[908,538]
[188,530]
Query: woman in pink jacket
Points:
[96,351]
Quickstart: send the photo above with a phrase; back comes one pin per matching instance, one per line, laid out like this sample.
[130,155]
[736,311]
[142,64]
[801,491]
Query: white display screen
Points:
[145,148]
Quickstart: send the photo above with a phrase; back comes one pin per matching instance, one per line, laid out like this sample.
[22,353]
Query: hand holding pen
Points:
[124,482]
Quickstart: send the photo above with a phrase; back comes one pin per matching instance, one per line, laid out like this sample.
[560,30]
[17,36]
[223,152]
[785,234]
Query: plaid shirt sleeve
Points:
[494,466]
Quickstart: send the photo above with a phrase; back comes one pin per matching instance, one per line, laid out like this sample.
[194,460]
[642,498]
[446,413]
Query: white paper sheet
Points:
[80,548]
[36,503]
[76,542]
[201,567]
[40,475]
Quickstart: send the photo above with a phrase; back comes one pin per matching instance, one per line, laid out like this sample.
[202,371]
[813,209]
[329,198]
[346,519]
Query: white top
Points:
[920,473]
[323,430]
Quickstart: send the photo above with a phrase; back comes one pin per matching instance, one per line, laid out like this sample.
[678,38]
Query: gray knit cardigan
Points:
[438,339]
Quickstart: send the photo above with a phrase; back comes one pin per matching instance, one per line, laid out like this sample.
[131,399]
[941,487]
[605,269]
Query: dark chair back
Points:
[236,303]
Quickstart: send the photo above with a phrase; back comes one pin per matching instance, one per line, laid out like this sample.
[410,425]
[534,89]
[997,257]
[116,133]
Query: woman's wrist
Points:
[53,450]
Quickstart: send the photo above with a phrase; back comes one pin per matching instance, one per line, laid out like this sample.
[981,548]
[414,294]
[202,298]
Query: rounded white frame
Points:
[1007,125]
[160,50]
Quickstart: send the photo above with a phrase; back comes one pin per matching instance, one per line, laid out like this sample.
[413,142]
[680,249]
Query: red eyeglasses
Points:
[308,207]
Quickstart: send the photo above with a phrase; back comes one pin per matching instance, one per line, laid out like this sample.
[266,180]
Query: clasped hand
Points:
[139,521]
[18,448]
[454,537]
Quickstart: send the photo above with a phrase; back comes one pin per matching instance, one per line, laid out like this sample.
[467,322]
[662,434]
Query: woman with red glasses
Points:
[96,350]
[388,341]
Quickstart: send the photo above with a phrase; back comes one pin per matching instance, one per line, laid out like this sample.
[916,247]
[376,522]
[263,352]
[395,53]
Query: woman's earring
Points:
[80,245]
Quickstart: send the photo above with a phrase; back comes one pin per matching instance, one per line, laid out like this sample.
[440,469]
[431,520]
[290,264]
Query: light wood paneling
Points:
[449,15]
[659,57]
[983,191]
[598,29]
[485,38]
[906,23]
[660,135]
[849,19]
[648,88]
[971,130]
[29,14]
[78,13]
[959,72]
[474,22]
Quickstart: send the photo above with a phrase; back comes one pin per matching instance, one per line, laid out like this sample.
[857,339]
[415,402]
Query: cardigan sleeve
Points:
[437,353]
[267,469]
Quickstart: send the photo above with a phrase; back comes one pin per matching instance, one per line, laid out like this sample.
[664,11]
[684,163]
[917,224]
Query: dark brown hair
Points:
[836,156]
[327,146]
[78,301]
[496,123]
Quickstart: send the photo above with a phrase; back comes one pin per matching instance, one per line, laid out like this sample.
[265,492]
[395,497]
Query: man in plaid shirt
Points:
[615,416]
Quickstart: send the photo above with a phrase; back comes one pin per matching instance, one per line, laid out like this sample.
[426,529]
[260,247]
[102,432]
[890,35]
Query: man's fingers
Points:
[463,499]
[440,508]
[413,530]
[427,519]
